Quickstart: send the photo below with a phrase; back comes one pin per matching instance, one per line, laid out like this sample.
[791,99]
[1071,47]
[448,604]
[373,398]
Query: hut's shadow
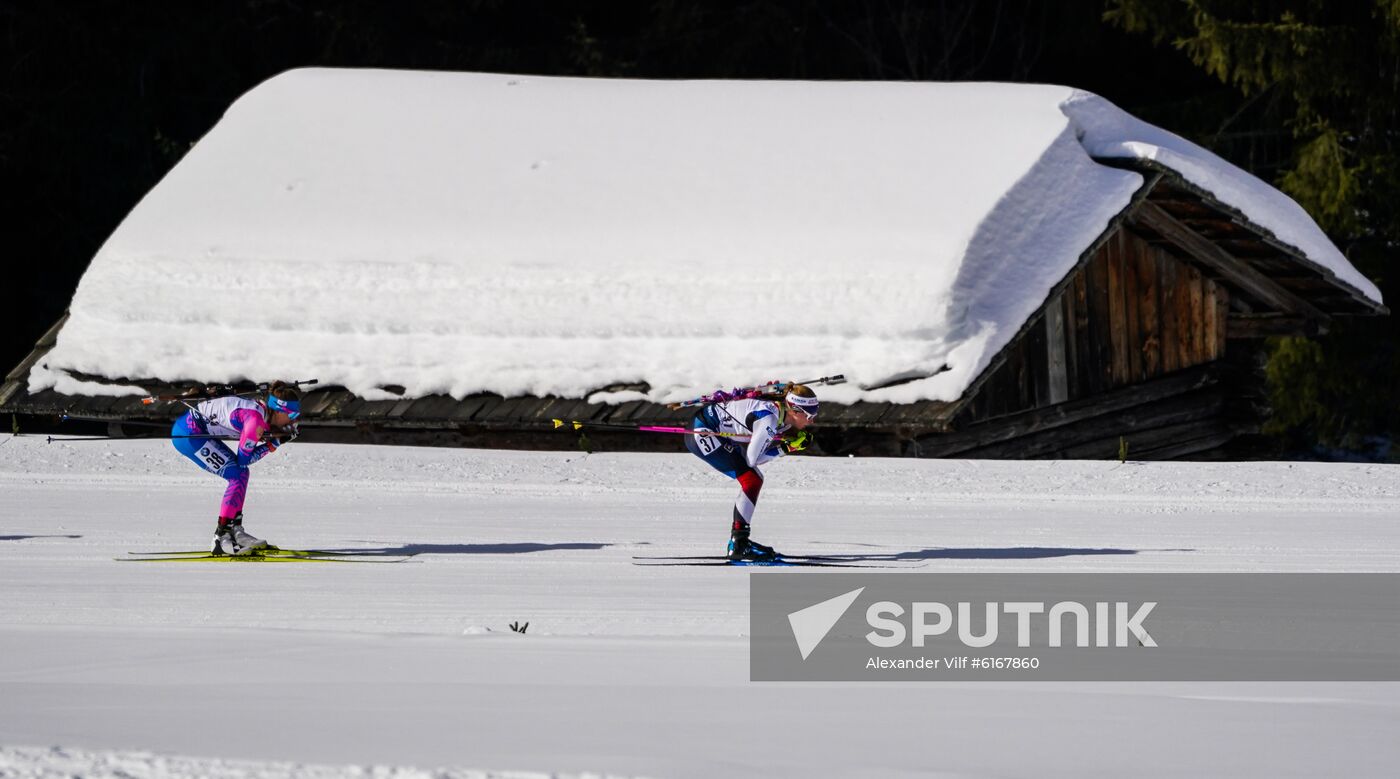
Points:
[417,549]
[988,553]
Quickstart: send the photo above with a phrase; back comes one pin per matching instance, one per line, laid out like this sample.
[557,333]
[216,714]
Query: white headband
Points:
[808,405]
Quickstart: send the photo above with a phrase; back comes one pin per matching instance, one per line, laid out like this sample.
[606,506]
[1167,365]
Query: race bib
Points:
[213,459]
[708,443]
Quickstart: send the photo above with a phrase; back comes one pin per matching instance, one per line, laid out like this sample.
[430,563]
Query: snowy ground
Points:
[271,670]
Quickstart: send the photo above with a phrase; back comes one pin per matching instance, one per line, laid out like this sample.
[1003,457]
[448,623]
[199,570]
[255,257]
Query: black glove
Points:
[284,435]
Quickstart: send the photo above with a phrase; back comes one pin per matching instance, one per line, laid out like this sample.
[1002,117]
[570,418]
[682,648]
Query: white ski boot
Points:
[245,539]
[232,539]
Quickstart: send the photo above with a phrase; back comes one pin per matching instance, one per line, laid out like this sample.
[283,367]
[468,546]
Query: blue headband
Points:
[291,408]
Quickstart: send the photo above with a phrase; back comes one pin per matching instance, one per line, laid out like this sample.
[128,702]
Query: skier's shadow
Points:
[990,553]
[25,538]
[417,549]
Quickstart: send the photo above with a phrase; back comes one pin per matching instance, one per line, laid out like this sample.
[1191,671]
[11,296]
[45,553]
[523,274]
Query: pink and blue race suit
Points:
[195,436]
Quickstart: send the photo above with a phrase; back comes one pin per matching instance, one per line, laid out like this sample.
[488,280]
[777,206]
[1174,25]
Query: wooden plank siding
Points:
[1118,369]
[1101,345]
[1132,292]
[1058,389]
[1134,312]
[1148,279]
[1166,306]
[1037,367]
[1219,322]
[1179,314]
[1082,335]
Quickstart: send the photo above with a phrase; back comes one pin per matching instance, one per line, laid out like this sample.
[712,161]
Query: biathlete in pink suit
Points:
[260,427]
[758,429]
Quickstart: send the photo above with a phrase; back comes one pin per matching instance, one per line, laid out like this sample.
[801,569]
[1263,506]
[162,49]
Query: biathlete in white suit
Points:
[760,429]
[260,427]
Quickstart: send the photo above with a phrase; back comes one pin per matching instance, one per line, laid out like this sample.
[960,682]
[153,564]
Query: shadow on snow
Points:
[989,553]
[417,549]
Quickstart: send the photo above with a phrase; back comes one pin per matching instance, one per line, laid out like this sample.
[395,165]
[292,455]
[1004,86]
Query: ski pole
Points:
[141,423]
[748,392]
[134,423]
[268,435]
[796,442]
[577,425]
[51,439]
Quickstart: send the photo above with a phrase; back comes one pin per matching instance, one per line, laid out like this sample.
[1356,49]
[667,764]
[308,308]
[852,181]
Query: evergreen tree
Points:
[1329,75]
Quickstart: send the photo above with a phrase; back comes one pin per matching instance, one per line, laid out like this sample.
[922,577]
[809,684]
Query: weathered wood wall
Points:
[1208,411]
[1134,312]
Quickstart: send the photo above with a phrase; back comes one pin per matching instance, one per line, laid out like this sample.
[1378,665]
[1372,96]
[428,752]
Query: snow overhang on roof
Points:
[459,233]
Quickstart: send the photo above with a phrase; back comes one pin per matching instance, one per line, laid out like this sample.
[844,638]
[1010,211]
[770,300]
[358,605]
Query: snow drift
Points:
[458,233]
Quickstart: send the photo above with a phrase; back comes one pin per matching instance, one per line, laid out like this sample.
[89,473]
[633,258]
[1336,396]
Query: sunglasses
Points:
[809,413]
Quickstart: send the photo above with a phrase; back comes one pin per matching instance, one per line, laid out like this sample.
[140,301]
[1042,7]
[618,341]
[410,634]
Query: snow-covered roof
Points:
[458,233]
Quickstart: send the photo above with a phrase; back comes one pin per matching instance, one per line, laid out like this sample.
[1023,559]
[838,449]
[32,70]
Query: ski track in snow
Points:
[43,763]
[624,669]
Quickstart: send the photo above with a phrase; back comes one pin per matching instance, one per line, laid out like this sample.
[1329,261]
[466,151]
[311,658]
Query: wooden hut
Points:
[1150,345]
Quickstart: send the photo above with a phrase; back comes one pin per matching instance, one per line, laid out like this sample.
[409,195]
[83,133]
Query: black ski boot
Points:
[741,549]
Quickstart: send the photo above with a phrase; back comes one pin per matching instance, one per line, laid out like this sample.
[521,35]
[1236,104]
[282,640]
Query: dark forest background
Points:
[100,98]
